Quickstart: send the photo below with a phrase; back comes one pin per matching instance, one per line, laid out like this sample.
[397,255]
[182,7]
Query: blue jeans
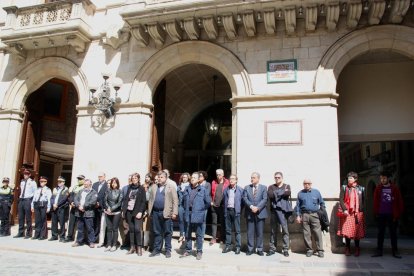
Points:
[181,222]
[161,228]
[198,228]
[82,221]
[233,219]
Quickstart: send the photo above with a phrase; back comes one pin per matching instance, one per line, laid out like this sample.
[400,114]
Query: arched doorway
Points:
[375,124]
[183,100]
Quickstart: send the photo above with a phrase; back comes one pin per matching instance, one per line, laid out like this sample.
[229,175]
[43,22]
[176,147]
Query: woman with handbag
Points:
[352,219]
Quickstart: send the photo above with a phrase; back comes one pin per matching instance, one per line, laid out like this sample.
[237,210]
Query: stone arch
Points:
[395,38]
[176,55]
[37,73]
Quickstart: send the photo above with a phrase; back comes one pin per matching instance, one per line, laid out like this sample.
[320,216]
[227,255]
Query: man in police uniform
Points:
[59,209]
[27,190]
[72,218]
[6,200]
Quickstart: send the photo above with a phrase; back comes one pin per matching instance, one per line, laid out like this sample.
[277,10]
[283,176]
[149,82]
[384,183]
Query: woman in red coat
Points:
[352,223]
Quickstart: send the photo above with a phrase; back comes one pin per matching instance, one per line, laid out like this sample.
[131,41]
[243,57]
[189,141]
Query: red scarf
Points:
[352,199]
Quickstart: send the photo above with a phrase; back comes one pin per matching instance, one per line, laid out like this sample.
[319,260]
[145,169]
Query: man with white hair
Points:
[217,211]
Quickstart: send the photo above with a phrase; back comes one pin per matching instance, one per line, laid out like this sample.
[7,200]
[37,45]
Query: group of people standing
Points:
[99,211]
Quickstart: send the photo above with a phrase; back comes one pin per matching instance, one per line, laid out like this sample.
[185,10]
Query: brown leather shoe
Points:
[347,251]
[131,251]
[76,244]
[139,250]
[357,252]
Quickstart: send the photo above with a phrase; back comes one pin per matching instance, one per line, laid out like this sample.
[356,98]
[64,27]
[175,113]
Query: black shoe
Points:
[33,238]
[18,236]
[168,254]
[154,254]
[396,255]
[68,240]
[27,237]
[237,251]
[286,253]
[270,253]
[248,253]
[41,239]
[53,239]
[378,254]
[62,240]
[309,253]
[320,254]
[227,249]
[260,253]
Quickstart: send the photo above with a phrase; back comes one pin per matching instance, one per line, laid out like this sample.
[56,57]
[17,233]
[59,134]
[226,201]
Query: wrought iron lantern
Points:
[100,97]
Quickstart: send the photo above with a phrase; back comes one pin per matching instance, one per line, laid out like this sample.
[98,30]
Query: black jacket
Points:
[324,219]
[113,200]
[140,201]
[89,205]
[101,194]
[63,198]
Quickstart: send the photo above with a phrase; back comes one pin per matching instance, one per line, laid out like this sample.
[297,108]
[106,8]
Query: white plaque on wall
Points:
[280,133]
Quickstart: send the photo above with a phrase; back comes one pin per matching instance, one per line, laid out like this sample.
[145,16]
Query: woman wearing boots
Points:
[113,202]
[352,222]
[133,210]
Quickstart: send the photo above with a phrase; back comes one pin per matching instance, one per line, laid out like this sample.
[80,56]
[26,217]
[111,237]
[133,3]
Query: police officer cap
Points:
[61,178]
[43,177]
[80,177]
[6,179]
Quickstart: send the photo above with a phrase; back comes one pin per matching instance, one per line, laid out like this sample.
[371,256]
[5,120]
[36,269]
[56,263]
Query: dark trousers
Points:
[255,233]
[385,221]
[135,230]
[112,226]
[40,222]
[4,219]
[97,225]
[278,218]
[58,219]
[233,220]
[88,222]
[162,230]
[198,229]
[25,214]
[217,216]
[72,224]
[126,242]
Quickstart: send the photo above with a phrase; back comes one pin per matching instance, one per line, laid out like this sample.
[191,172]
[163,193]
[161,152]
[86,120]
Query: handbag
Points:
[340,213]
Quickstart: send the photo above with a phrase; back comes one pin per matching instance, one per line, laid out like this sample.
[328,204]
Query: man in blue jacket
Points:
[196,202]
[59,210]
[233,200]
[255,199]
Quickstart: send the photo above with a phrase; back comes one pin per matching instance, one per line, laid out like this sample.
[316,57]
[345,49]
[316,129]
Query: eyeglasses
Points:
[277,177]
[307,183]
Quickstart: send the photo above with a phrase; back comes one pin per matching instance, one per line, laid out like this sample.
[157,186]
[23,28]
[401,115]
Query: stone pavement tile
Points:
[390,272]
[324,264]
[370,266]
[409,266]
[350,272]
[347,265]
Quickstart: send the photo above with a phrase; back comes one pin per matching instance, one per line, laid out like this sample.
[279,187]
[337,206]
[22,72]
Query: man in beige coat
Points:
[163,208]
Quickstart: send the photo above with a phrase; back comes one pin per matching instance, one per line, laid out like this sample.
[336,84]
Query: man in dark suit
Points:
[60,205]
[255,199]
[100,188]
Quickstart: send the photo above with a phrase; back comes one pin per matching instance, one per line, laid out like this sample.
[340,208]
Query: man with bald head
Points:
[307,206]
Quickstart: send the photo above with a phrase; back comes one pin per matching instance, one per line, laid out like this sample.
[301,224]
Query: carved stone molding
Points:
[174,31]
[77,43]
[398,11]
[311,18]
[115,37]
[269,21]
[290,20]
[157,34]
[18,50]
[376,12]
[332,16]
[229,26]
[191,28]
[141,35]
[354,14]
[249,23]
[210,26]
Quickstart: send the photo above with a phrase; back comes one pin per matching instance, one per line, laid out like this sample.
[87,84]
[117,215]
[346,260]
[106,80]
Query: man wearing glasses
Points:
[307,206]
[281,209]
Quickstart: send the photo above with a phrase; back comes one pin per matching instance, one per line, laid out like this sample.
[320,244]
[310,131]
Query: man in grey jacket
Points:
[85,202]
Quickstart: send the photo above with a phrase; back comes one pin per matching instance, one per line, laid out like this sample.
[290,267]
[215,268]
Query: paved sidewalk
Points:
[20,256]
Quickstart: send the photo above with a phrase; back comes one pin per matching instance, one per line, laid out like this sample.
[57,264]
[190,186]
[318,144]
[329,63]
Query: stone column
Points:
[117,146]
